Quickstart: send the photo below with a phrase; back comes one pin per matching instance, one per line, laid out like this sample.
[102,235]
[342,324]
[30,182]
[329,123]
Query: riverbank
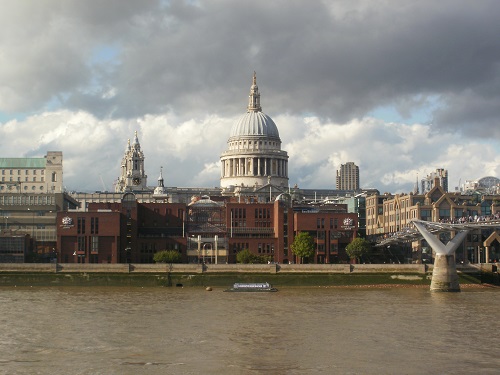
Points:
[163,275]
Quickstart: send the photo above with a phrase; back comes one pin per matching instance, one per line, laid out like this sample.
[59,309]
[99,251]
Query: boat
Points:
[251,287]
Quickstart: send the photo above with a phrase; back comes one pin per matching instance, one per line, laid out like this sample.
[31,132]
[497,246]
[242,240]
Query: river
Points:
[105,330]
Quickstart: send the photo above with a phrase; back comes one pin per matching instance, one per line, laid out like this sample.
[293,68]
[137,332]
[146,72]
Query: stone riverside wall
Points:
[233,268]
[224,275]
[211,268]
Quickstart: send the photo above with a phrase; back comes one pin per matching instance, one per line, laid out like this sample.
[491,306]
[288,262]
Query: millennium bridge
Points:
[444,274]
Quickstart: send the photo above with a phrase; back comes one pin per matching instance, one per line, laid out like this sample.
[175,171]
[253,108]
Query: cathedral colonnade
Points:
[254,166]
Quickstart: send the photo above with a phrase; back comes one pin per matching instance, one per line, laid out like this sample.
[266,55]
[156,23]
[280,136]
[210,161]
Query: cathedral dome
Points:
[254,124]
[253,157]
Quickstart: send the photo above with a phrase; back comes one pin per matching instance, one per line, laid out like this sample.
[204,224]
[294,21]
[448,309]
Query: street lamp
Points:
[32,222]
[205,250]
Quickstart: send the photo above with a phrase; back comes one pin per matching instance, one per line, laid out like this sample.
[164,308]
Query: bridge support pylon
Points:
[444,274]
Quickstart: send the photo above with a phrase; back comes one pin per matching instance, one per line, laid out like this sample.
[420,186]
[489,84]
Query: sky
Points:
[400,88]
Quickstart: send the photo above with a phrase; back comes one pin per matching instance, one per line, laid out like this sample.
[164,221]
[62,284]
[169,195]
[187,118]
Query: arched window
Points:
[54,177]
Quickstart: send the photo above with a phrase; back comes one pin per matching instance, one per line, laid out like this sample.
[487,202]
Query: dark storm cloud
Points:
[337,60]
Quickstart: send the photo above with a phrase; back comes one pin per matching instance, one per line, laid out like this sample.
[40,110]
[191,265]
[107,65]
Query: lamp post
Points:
[205,251]
[32,222]
[216,249]
[199,247]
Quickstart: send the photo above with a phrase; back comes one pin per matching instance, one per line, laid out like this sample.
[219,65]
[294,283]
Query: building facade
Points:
[31,193]
[387,214]
[204,231]
[32,175]
[348,177]
[428,182]
[120,232]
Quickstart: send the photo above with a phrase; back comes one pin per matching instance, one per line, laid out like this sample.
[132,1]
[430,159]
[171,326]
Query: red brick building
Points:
[331,227]
[126,232]
[203,231]
[88,237]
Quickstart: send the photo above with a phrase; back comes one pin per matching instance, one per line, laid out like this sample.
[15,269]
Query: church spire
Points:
[136,141]
[254,97]
[415,188]
[160,179]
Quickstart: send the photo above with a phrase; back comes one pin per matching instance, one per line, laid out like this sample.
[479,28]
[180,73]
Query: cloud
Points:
[396,87]
[390,155]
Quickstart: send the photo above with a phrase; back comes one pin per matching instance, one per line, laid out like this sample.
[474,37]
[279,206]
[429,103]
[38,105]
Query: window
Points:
[94,225]
[425,215]
[81,225]
[95,244]
[444,213]
[81,243]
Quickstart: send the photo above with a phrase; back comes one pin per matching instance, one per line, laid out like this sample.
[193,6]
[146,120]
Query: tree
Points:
[357,248]
[167,256]
[247,257]
[303,245]
[244,256]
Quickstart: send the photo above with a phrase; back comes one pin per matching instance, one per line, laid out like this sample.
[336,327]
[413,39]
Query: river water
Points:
[70,330]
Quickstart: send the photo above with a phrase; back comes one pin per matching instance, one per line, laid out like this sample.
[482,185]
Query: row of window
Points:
[28,200]
[82,243]
[265,248]
[239,246]
[241,213]
[94,225]
[244,143]
[426,215]
[27,171]
[320,223]
[26,179]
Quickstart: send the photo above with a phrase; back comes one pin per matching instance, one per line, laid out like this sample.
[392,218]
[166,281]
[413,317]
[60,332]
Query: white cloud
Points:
[81,77]
[390,155]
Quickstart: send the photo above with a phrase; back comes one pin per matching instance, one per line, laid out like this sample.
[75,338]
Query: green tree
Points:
[167,256]
[357,248]
[303,245]
[245,257]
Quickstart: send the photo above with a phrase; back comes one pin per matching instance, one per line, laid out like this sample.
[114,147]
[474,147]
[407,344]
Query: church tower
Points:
[132,175]
[254,157]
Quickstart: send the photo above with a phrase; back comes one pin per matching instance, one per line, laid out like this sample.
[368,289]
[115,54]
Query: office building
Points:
[348,177]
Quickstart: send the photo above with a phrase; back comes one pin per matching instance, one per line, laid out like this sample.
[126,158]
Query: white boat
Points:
[251,287]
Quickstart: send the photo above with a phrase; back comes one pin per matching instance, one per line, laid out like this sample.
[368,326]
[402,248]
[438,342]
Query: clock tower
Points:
[132,176]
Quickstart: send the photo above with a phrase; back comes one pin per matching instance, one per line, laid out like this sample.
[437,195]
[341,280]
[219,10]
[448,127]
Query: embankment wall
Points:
[24,274]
